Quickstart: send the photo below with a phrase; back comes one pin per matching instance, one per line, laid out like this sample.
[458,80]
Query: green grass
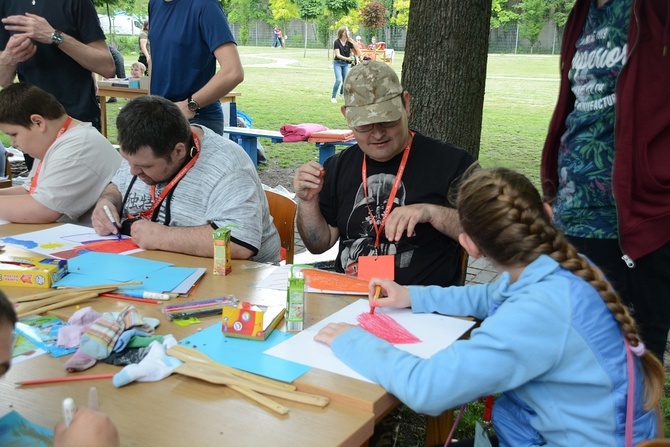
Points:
[284,87]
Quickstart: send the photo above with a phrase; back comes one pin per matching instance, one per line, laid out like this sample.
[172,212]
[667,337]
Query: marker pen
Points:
[146,294]
[68,410]
[111,218]
[93,398]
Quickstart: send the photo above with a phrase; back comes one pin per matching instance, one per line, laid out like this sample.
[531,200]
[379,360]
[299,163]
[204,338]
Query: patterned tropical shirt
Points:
[584,205]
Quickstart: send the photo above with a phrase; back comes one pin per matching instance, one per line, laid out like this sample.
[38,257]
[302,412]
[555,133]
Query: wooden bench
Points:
[248,138]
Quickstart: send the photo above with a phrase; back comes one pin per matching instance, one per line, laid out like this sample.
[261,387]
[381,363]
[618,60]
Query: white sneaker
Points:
[333,100]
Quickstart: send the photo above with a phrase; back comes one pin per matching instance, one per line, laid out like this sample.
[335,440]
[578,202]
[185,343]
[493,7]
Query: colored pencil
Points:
[378,293]
[130,298]
[65,379]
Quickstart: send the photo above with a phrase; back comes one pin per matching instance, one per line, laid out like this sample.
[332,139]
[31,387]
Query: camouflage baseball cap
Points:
[372,94]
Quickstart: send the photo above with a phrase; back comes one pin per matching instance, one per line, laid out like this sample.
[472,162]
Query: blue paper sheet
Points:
[112,267]
[17,430]
[93,268]
[246,355]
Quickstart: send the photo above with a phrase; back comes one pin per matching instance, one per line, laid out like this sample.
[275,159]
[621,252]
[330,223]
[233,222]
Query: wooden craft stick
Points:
[103,286]
[55,292]
[213,375]
[36,296]
[186,354]
[263,400]
[65,379]
[25,307]
[84,297]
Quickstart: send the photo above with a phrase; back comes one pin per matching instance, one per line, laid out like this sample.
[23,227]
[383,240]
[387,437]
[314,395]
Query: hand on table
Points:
[147,234]
[101,222]
[331,331]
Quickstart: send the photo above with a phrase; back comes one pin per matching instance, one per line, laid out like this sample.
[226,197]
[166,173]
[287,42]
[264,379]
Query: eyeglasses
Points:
[369,127]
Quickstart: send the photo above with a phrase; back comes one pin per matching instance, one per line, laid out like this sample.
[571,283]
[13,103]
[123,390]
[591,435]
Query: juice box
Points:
[222,265]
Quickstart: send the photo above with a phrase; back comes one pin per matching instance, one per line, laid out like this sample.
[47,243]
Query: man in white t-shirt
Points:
[178,182]
[75,162]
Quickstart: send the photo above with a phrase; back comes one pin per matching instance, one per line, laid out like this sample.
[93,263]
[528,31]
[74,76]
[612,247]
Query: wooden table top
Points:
[180,410]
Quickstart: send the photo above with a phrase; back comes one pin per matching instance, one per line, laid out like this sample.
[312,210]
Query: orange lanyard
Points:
[33,182]
[394,190]
[157,200]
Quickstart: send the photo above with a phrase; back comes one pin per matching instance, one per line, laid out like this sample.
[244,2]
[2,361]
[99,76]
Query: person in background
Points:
[387,194]
[137,70]
[346,52]
[3,159]
[145,48]
[89,428]
[56,46]
[373,43]
[360,43]
[188,38]
[75,161]
[120,70]
[606,160]
[191,181]
[275,36]
[555,340]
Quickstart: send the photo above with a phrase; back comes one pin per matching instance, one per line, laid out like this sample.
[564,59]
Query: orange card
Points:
[376,266]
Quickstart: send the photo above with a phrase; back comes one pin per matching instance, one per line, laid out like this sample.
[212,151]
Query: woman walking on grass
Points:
[346,51]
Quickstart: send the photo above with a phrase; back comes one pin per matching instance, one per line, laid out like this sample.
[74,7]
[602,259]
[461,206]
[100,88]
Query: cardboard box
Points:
[31,271]
[250,321]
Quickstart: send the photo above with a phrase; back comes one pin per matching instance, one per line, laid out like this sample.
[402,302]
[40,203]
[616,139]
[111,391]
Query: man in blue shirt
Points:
[188,38]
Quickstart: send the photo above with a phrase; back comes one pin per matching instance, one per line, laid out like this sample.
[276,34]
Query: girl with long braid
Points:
[555,340]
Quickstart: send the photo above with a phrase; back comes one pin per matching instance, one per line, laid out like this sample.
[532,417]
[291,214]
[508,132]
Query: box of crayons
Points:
[31,271]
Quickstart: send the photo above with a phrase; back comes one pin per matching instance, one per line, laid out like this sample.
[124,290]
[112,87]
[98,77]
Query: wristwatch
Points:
[193,104]
[56,38]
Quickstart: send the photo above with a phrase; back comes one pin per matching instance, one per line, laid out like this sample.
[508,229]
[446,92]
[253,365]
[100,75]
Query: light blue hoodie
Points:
[548,343]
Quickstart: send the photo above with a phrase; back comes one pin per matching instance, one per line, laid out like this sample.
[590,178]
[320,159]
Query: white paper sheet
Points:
[58,239]
[436,332]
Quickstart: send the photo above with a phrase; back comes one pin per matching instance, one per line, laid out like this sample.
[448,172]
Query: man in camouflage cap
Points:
[386,195]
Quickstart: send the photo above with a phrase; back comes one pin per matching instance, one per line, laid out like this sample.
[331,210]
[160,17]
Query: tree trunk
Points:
[444,69]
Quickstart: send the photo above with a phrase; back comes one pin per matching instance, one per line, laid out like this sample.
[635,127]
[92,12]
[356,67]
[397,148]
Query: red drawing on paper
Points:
[101,246]
[386,328]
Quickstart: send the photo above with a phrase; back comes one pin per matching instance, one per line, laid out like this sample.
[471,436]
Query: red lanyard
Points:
[394,190]
[157,200]
[33,182]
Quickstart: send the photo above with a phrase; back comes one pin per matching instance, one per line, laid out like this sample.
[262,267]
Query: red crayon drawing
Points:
[386,328]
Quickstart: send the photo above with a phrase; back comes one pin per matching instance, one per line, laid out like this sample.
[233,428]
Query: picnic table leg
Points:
[325,150]
[250,146]
[233,113]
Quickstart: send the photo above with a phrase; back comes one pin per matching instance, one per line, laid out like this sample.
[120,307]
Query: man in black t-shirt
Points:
[335,203]
[56,46]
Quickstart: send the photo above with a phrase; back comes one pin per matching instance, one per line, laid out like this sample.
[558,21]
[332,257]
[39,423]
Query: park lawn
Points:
[288,87]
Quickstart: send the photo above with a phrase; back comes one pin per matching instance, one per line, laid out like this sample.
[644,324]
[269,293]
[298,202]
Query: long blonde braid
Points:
[503,214]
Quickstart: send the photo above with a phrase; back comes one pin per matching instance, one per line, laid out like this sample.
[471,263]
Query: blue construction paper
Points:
[94,268]
[112,267]
[17,430]
[246,355]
